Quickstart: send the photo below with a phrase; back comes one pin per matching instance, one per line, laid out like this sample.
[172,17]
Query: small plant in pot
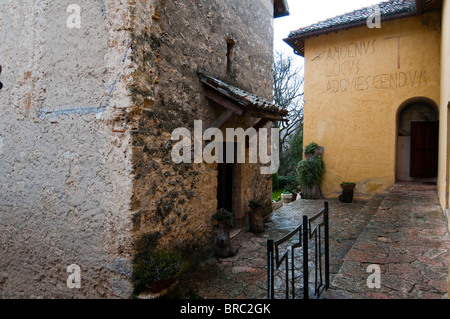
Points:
[222,241]
[224,218]
[347,192]
[256,216]
[310,171]
[286,196]
[158,270]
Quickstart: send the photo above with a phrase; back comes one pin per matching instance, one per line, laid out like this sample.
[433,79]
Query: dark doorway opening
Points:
[225,178]
[225,186]
[229,185]
[424,149]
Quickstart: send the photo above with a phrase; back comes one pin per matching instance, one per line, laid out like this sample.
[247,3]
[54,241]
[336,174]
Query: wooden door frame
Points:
[236,188]
[405,104]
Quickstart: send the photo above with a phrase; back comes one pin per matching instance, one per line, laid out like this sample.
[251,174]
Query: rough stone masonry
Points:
[86,115]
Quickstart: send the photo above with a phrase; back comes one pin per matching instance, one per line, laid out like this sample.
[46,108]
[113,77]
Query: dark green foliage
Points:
[288,183]
[295,151]
[274,182]
[310,148]
[310,171]
[291,153]
[222,215]
[152,263]
[157,265]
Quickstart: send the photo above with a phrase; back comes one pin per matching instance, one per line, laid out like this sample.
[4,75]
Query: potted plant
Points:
[310,171]
[222,241]
[287,197]
[347,192]
[158,270]
[224,218]
[255,216]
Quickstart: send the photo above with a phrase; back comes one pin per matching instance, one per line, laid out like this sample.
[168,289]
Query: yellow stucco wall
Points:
[355,82]
[444,116]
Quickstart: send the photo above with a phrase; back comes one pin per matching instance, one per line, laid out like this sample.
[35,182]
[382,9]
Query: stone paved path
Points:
[408,239]
[404,232]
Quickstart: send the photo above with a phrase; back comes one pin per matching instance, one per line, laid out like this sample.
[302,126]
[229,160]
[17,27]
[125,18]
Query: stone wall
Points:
[173,203]
[87,115]
[64,175]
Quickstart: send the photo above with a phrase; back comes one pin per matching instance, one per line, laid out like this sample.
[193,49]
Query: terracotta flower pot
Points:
[287,198]
[347,193]
[256,221]
[222,241]
[348,186]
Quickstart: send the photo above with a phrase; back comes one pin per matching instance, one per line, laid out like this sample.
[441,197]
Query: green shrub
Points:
[287,182]
[310,171]
[222,215]
[310,148]
[158,265]
[275,183]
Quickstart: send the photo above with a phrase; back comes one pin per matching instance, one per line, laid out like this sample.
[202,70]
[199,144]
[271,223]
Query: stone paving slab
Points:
[403,232]
[245,275]
[408,239]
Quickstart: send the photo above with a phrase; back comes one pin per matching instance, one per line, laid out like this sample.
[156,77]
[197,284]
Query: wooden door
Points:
[424,149]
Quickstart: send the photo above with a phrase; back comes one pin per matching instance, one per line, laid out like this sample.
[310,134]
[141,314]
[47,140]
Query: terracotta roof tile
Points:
[387,8]
[243,98]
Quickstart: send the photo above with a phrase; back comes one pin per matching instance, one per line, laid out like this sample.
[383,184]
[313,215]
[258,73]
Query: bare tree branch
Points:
[288,93]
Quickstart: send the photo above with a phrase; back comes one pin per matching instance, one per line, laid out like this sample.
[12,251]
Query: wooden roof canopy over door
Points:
[240,102]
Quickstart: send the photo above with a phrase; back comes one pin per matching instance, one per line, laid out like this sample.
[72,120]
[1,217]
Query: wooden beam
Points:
[261,123]
[419,6]
[257,126]
[266,115]
[223,102]
[222,119]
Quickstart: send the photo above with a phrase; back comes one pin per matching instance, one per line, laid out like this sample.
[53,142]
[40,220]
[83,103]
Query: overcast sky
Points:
[306,12]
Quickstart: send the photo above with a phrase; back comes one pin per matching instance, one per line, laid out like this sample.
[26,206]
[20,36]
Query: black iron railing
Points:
[311,235]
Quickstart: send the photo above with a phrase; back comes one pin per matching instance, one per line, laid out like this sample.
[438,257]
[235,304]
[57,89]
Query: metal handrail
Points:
[305,231]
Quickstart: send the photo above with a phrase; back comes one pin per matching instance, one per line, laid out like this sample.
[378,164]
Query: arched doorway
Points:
[417,140]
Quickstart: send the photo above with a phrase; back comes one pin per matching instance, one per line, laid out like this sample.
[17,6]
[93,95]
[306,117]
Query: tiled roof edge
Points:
[387,9]
[257,101]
